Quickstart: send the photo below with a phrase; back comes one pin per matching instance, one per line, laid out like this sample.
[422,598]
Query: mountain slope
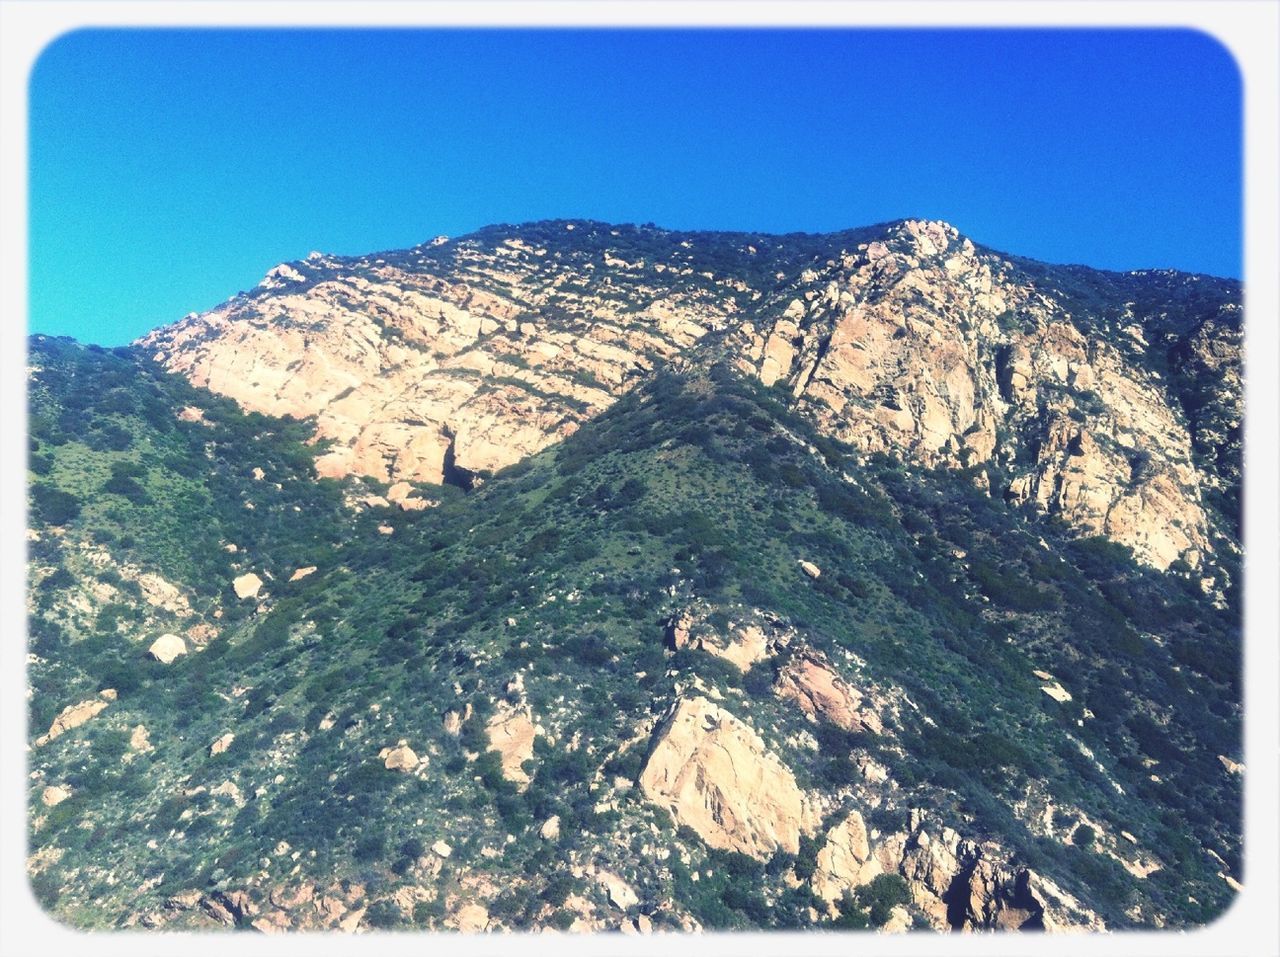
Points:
[1109,400]
[513,709]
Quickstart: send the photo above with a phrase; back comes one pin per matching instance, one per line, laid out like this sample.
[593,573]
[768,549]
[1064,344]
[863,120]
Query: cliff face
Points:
[1115,408]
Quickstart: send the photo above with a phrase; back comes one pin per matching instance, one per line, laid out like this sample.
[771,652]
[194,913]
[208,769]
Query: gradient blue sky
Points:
[170,169]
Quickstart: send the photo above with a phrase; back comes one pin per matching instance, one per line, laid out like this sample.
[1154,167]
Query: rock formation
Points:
[511,732]
[715,775]
[167,648]
[446,362]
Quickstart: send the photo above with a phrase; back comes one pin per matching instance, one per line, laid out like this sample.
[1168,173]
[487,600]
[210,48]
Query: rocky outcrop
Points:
[923,346]
[167,648]
[449,363]
[810,681]
[221,744]
[742,646]
[247,585]
[844,861]
[715,775]
[959,884]
[511,734]
[400,758]
[74,715]
[54,794]
[446,362]
[470,918]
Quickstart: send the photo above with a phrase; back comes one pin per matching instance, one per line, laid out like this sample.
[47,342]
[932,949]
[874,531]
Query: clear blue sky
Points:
[171,169]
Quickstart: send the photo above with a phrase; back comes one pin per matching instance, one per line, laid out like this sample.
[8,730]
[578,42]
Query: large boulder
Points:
[167,648]
[400,758]
[247,585]
[715,775]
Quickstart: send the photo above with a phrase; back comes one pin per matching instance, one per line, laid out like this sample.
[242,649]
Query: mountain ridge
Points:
[523,317]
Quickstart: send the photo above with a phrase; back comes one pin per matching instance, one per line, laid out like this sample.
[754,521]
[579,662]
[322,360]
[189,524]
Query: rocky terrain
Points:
[577,577]
[457,358]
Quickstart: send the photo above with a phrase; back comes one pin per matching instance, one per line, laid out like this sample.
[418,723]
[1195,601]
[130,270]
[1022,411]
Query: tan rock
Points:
[1233,767]
[441,849]
[400,758]
[715,775]
[810,681]
[140,740]
[247,585]
[1056,692]
[470,918]
[619,892]
[221,744]
[54,794]
[550,829]
[844,861]
[302,573]
[511,733]
[810,569]
[72,716]
[167,648]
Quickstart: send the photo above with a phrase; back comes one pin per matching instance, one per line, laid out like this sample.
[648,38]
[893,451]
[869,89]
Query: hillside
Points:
[872,579]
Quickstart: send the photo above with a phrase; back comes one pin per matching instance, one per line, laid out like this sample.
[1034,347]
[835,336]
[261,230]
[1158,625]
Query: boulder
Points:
[221,744]
[715,775]
[620,893]
[167,648]
[1056,692]
[247,585]
[140,740]
[550,829]
[511,733]
[399,758]
[441,849]
[302,573]
[54,795]
[810,569]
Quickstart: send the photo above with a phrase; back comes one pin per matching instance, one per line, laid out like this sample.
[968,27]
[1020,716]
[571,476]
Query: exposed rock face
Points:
[511,733]
[247,585]
[809,680]
[302,573]
[620,893]
[471,918]
[167,648]
[72,716]
[742,646]
[458,358]
[924,346]
[450,360]
[845,860]
[715,775]
[958,884]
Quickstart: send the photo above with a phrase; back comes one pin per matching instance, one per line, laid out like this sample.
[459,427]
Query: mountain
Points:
[581,576]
